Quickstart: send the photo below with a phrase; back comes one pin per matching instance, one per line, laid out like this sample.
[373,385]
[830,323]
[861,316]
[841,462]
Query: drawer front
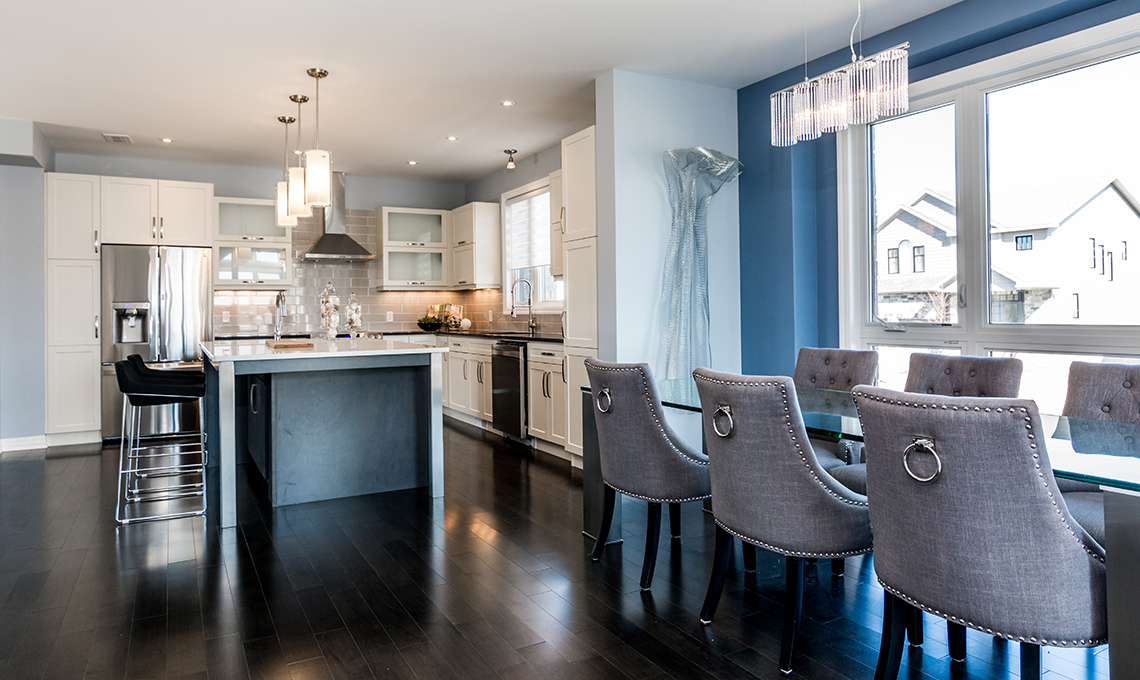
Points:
[544,353]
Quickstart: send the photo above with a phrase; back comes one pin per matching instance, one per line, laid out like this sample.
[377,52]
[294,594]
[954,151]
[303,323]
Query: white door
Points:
[185,213]
[129,209]
[73,383]
[537,403]
[576,373]
[463,264]
[488,394]
[559,392]
[73,302]
[72,216]
[556,224]
[578,185]
[581,289]
[463,226]
[459,392]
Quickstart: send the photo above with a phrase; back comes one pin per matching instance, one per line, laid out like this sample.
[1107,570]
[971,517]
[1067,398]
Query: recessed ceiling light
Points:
[167,140]
[507,102]
[411,162]
[452,138]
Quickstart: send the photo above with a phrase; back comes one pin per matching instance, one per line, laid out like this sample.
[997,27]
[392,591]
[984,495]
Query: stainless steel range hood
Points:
[335,245]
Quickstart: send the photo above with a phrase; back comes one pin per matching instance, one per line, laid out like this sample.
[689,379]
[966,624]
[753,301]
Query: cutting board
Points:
[288,344]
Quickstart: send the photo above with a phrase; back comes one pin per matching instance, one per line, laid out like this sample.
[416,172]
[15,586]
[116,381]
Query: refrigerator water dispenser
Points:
[130,322]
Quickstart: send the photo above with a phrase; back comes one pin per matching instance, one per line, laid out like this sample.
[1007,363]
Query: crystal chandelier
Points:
[857,94]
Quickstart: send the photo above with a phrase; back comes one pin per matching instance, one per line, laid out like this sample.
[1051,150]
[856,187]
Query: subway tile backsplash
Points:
[251,312]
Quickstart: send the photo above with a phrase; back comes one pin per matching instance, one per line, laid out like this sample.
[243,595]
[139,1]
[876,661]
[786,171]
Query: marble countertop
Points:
[251,350]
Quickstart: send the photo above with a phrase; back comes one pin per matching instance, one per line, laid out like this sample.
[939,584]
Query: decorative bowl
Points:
[429,327]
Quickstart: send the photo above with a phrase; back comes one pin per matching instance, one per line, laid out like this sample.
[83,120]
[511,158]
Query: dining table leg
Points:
[1122,548]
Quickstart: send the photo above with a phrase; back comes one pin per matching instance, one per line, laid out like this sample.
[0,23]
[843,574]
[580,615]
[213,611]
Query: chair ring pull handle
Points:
[926,445]
[605,394]
[727,411]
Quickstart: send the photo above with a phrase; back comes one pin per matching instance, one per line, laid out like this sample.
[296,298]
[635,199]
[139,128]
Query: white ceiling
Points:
[213,75]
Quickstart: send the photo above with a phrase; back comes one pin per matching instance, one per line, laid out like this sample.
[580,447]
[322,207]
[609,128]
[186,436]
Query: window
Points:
[526,248]
[1019,246]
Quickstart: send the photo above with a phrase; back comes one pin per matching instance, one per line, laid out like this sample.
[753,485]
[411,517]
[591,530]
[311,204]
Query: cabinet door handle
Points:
[461,243]
[153,227]
[96,240]
[96,326]
[160,226]
[562,220]
[253,238]
[464,369]
[562,322]
[479,372]
[462,283]
[252,401]
[565,360]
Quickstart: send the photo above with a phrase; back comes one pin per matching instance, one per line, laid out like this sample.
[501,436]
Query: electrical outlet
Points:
[389,317]
[225,317]
[490,317]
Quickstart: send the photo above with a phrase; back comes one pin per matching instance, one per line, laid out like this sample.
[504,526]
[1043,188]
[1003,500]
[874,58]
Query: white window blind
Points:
[528,230]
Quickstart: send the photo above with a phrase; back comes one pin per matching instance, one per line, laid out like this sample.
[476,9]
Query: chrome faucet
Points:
[531,325]
[278,314]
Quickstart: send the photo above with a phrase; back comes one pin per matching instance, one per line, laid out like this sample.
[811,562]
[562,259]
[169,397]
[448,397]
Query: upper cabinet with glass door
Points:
[248,220]
[413,227]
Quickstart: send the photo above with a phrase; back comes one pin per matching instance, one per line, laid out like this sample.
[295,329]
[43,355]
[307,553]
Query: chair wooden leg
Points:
[675,520]
[956,633]
[652,536]
[609,498]
[749,551]
[837,566]
[721,558]
[1030,661]
[793,605]
[895,613]
[914,627]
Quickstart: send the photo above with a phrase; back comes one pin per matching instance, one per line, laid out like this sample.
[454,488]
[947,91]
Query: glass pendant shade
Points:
[284,219]
[864,92]
[783,119]
[804,102]
[894,82]
[297,205]
[318,178]
[834,101]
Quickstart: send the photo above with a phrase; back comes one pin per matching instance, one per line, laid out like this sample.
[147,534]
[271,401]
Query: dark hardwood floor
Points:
[493,581]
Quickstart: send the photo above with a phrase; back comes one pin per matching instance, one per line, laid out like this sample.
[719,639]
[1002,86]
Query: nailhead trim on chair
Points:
[793,553]
[656,500]
[791,434]
[856,396]
[1092,642]
[656,416]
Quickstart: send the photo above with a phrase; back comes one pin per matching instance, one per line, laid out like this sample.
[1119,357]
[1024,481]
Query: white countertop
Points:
[251,350]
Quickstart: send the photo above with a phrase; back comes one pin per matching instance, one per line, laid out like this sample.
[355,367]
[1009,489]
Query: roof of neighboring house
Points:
[897,284]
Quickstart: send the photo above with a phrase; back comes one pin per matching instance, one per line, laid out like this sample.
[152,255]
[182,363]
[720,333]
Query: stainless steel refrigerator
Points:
[158,303]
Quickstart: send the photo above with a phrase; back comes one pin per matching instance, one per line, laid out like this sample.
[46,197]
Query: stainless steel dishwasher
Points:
[508,388]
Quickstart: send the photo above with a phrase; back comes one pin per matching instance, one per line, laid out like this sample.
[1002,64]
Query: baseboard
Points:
[554,450]
[23,443]
[73,438]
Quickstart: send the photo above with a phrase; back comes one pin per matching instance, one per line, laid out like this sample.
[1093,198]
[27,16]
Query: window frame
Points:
[546,306]
[918,253]
[966,88]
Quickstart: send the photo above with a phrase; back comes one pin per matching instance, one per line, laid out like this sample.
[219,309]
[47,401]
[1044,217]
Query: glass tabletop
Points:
[1095,451]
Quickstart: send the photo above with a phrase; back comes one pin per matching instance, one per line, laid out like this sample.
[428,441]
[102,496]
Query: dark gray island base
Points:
[341,419]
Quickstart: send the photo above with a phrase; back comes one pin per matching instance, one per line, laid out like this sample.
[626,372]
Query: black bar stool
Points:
[141,466]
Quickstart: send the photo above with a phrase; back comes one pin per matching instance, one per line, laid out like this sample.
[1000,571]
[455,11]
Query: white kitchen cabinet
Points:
[248,220]
[486,408]
[581,290]
[459,386]
[559,382]
[156,212]
[469,377]
[576,380]
[579,190]
[557,224]
[413,227]
[537,404]
[546,393]
[72,402]
[256,266]
[413,269]
[476,253]
[72,302]
[72,216]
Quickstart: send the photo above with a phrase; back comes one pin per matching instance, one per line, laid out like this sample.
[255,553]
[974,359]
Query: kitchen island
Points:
[341,418]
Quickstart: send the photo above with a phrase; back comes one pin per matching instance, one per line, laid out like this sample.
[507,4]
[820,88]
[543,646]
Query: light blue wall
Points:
[640,117]
[789,247]
[21,302]
[361,193]
[532,168]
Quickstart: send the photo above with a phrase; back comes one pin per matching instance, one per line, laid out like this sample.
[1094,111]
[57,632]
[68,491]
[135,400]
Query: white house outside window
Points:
[1016,220]
[526,248]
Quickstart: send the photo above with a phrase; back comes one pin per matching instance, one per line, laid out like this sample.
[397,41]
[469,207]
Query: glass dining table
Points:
[1094,451]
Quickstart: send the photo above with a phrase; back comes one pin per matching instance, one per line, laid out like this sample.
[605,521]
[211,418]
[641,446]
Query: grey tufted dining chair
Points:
[835,369]
[769,490]
[640,454]
[970,526]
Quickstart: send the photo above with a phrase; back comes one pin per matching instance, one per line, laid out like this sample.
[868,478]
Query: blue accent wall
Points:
[789,248]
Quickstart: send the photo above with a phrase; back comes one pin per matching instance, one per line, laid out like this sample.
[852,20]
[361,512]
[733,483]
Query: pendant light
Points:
[283,217]
[297,205]
[318,164]
[510,158]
